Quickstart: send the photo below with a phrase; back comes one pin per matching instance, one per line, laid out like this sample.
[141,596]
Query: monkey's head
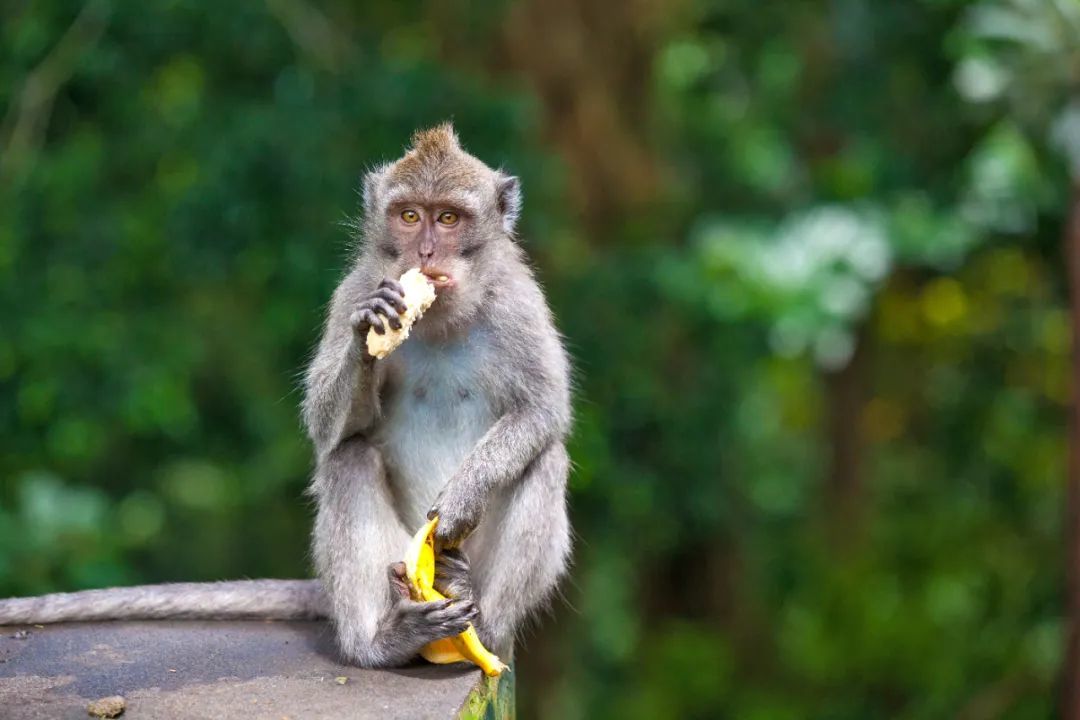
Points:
[442,210]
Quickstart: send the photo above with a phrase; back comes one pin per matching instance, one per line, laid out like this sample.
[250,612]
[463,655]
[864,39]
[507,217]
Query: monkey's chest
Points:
[434,412]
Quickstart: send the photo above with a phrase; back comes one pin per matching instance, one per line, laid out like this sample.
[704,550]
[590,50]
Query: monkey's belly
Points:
[427,432]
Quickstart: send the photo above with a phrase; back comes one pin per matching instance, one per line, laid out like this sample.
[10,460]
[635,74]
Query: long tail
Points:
[232,600]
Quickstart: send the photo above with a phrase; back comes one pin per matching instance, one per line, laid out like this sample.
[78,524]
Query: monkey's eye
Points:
[411,217]
[448,218]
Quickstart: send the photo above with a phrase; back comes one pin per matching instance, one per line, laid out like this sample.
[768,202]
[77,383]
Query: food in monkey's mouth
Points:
[420,571]
[419,293]
[438,278]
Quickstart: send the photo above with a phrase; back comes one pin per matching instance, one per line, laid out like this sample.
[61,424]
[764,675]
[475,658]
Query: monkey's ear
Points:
[371,188]
[508,199]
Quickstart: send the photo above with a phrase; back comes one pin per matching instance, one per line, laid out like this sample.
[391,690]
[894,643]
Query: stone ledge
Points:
[196,669]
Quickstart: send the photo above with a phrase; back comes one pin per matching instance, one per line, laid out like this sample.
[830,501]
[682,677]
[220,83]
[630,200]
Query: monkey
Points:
[467,420]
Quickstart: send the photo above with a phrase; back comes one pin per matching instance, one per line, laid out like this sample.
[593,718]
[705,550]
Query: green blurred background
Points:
[807,257]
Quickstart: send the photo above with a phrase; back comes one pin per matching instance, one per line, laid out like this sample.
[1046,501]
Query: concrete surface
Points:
[188,669]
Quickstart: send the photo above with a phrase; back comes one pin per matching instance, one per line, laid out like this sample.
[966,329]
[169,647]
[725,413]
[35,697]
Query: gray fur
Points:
[242,599]
[467,419]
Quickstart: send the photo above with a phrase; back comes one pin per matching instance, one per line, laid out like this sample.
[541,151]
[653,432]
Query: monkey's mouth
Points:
[438,278]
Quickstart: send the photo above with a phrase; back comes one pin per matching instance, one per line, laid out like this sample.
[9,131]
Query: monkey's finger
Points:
[393,285]
[456,589]
[445,530]
[470,615]
[444,609]
[450,536]
[456,556]
[400,588]
[383,308]
[368,318]
[398,580]
[453,556]
[460,611]
[451,628]
[396,571]
[456,627]
[391,296]
[451,570]
[359,320]
[433,606]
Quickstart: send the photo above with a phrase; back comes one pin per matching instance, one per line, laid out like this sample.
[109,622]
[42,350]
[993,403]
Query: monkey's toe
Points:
[398,579]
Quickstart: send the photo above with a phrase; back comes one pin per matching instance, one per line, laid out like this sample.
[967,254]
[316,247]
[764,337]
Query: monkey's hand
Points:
[416,624]
[383,307]
[452,576]
[458,517]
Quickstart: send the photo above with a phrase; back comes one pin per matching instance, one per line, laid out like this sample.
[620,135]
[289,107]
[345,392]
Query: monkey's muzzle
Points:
[438,277]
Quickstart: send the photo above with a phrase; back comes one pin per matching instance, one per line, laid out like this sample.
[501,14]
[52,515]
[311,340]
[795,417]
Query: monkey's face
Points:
[430,235]
[445,237]
[442,210]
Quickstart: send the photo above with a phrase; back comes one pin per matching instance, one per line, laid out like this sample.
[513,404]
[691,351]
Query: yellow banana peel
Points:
[420,571]
[441,652]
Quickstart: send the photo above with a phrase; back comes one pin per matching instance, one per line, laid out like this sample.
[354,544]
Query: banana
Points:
[419,294]
[420,571]
[442,652]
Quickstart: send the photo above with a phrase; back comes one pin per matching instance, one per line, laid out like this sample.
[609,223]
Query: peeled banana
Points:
[420,571]
[419,294]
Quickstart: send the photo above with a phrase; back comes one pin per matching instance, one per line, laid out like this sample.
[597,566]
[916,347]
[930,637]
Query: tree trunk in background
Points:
[591,68]
[844,496]
[1070,681]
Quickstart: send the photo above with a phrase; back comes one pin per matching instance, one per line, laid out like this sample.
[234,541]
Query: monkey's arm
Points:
[499,458]
[341,397]
[538,414]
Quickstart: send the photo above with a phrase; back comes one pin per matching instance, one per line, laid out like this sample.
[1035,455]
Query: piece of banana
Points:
[420,571]
[419,294]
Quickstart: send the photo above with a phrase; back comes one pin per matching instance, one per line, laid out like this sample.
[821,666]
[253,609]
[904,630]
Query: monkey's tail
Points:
[231,600]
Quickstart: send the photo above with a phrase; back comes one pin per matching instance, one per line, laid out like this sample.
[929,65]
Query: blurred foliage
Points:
[805,256]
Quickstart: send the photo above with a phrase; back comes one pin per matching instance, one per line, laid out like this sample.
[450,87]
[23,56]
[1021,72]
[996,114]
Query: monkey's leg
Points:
[520,556]
[357,537]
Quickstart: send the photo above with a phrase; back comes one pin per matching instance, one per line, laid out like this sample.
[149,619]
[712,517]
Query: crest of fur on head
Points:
[436,167]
